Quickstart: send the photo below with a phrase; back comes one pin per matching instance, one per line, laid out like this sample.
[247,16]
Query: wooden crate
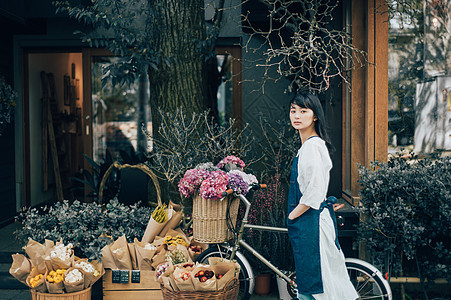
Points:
[148,288]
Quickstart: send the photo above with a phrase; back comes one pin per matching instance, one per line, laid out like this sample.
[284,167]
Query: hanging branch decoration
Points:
[302,44]
[187,141]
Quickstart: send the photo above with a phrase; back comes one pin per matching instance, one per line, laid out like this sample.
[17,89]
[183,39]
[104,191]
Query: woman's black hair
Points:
[310,101]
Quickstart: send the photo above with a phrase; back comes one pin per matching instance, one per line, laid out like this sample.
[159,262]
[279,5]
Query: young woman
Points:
[320,263]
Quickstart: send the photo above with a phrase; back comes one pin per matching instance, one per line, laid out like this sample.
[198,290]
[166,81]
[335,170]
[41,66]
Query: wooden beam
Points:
[381,82]
[358,94]
[368,110]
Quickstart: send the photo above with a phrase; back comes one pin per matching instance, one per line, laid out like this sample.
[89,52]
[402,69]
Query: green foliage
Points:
[88,226]
[406,206]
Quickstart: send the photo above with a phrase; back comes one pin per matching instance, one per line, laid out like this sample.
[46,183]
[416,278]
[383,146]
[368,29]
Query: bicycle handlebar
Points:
[252,187]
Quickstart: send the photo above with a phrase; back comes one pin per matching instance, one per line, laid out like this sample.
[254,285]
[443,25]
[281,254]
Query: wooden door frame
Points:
[365,119]
[25,64]
[86,123]
[237,75]
[26,190]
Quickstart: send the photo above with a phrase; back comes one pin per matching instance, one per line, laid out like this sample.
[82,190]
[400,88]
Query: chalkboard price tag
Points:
[116,276]
[136,276]
[125,276]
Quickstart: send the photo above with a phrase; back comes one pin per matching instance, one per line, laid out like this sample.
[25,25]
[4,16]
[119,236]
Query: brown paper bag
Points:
[93,271]
[121,254]
[100,269]
[188,266]
[224,271]
[131,249]
[20,267]
[169,283]
[59,262]
[196,248]
[35,251]
[185,252]
[158,241]
[173,254]
[215,260]
[160,257]
[71,285]
[183,279]
[174,222]
[144,256]
[54,287]
[40,286]
[199,283]
[177,231]
[107,258]
[163,269]
[154,228]
[175,207]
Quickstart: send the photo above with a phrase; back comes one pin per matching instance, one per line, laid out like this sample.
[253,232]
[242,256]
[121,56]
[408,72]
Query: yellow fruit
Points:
[55,276]
[35,280]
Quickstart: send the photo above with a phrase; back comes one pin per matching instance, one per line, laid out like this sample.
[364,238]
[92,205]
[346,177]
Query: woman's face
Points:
[301,118]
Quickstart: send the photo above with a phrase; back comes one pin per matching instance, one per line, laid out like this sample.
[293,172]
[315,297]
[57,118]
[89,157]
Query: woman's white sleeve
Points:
[311,170]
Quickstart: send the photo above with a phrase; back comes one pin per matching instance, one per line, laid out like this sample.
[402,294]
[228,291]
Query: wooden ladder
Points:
[50,134]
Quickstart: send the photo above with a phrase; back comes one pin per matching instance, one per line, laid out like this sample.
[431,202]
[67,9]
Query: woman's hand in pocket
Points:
[298,211]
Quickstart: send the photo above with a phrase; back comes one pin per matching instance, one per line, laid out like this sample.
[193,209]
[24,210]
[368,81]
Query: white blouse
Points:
[314,164]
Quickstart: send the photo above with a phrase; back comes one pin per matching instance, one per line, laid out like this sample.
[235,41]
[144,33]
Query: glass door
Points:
[116,116]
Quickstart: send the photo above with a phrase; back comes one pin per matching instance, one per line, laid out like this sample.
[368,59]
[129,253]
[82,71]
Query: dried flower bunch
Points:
[210,181]
[7,104]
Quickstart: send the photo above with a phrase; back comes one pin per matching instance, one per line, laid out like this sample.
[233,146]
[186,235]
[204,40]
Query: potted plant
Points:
[269,209]
[405,203]
[7,104]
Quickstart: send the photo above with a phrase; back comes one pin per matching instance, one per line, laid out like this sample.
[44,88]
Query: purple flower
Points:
[237,182]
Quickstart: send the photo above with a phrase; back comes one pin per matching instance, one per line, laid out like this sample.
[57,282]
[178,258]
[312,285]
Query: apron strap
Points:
[329,203]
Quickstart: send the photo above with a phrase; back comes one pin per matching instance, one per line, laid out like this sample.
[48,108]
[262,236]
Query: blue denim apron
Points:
[304,236]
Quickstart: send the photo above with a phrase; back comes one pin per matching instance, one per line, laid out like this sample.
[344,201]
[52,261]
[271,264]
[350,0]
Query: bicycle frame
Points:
[239,241]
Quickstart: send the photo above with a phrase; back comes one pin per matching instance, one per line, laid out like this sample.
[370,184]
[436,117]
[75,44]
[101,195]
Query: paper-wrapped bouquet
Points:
[53,268]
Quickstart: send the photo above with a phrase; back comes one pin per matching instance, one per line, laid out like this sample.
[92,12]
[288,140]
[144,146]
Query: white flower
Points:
[150,247]
[62,252]
[73,276]
[87,267]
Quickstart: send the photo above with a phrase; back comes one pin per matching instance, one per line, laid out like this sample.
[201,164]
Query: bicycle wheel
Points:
[246,277]
[367,280]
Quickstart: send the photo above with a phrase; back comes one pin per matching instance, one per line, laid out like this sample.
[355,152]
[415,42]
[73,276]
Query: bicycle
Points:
[367,279]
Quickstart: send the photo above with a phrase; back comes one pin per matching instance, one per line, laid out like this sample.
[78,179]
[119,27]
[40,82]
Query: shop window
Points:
[419,78]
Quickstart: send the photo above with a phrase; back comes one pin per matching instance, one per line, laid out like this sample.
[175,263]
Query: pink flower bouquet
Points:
[210,181]
[191,181]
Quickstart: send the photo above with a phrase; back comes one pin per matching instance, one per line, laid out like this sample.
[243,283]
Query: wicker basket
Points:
[230,292]
[141,167]
[81,295]
[210,219]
